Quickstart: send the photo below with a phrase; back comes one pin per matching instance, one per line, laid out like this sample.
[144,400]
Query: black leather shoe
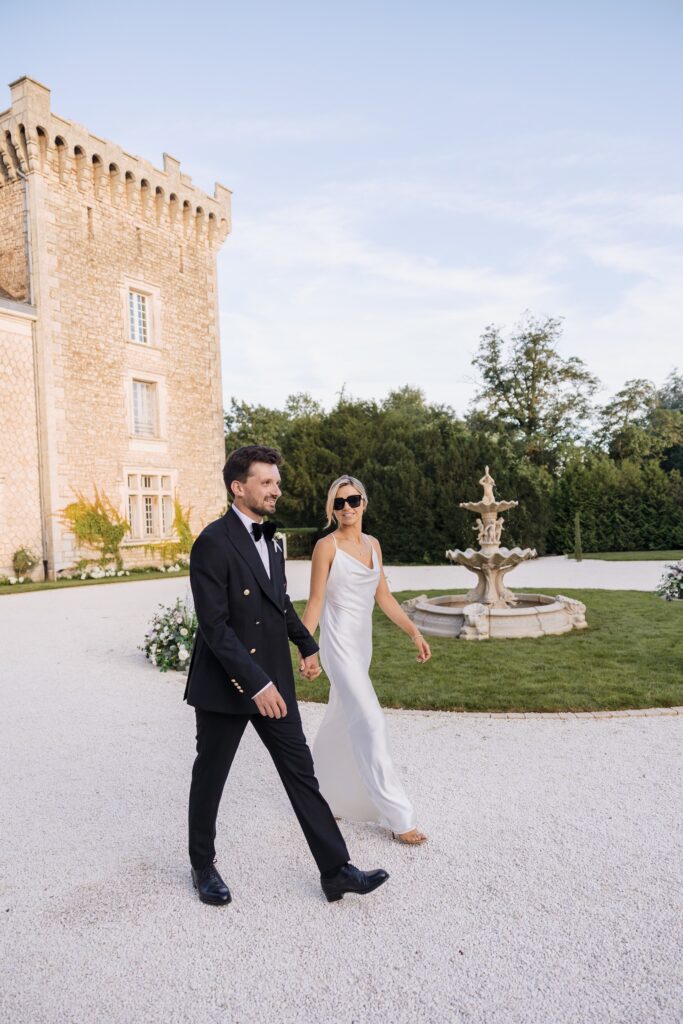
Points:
[210,886]
[352,879]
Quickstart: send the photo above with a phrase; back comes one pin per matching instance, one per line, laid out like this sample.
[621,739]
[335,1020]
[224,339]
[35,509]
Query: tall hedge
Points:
[419,461]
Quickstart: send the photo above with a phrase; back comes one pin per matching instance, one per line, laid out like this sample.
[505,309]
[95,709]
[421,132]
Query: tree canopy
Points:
[533,423]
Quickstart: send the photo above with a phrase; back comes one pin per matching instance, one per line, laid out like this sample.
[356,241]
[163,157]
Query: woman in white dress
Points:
[351,750]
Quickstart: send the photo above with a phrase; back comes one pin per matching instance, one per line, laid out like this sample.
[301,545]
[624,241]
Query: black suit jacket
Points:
[245,622]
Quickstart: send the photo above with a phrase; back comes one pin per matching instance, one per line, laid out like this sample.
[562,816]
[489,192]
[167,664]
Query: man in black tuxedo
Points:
[241,672]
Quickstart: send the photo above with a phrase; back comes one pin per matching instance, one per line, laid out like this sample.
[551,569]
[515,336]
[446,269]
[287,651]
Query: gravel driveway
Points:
[550,891]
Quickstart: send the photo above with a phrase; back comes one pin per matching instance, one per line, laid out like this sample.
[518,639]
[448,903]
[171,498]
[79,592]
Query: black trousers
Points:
[218,737]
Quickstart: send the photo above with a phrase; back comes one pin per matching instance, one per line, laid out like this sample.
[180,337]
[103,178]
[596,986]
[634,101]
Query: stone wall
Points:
[20,524]
[13,264]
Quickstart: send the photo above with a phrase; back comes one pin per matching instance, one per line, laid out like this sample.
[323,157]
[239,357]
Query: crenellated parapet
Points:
[33,140]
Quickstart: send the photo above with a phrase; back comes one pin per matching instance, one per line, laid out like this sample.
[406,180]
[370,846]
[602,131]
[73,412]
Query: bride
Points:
[351,750]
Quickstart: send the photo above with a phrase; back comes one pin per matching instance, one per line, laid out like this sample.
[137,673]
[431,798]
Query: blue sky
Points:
[403,174]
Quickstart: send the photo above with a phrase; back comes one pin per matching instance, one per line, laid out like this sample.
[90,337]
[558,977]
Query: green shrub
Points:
[24,561]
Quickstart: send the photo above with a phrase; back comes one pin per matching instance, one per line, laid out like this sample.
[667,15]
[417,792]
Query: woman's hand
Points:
[422,646]
[310,667]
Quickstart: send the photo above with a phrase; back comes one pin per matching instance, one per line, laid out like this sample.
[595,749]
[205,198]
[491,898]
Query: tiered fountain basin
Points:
[490,610]
[529,615]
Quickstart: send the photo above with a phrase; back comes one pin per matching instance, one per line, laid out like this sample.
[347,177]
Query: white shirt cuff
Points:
[261,691]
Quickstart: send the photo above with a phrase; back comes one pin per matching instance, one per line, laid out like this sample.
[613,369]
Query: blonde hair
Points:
[332,494]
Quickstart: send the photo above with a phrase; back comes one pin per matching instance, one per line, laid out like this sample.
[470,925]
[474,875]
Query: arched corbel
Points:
[130,188]
[96,172]
[212,230]
[25,161]
[114,182]
[6,168]
[187,218]
[60,155]
[144,195]
[199,223]
[41,135]
[159,197]
[12,156]
[80,165]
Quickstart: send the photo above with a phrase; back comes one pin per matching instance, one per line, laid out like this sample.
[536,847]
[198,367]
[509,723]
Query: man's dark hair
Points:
[239,463]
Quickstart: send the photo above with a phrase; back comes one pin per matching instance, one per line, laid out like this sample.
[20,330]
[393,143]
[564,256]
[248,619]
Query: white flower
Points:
[83,576]
[183,631]
[182,654]
[12,579]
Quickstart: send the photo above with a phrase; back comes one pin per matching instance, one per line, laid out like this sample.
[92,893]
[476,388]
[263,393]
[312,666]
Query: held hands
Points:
[310,666]
[422,646]
[270,703]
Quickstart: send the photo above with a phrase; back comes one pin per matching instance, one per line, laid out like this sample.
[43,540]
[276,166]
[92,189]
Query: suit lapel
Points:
[247,549]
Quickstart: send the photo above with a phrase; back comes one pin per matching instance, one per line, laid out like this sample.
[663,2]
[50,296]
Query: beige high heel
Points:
[411,838]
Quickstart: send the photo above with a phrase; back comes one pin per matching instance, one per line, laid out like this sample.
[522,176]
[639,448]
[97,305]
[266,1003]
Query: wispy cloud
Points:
[316,284]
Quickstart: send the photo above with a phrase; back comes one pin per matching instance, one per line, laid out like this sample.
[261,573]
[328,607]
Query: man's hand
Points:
[270,703]
[310,666]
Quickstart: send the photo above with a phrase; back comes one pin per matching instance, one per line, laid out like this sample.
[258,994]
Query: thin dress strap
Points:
[334,539]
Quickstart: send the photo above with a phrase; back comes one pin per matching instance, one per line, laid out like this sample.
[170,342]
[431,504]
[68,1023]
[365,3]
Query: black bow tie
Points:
[266,530]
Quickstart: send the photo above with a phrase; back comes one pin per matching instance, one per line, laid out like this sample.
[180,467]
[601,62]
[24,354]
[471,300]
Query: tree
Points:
[671,394]
[671,398]
[253,424]
[531,391]
[637,425]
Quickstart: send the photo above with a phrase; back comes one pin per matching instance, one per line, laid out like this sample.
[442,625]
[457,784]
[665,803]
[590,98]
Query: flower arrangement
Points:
[97,573]
[84,570]
[170,636]
[10,581]
[670,587]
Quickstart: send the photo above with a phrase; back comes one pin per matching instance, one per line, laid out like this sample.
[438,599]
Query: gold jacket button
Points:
[246,592]
[233,681]
[253,650]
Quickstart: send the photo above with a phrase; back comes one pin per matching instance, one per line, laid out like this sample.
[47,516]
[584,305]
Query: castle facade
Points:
[110,374]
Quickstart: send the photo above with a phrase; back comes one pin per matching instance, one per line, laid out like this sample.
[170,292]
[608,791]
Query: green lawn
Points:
[635,556]
[22,588]
[631,656]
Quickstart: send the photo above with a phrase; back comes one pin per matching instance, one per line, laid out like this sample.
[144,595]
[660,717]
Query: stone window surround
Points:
[139,442]
[153,296]
[158,493]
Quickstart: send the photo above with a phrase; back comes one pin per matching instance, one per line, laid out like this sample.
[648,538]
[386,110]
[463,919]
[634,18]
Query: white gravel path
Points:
[550,891]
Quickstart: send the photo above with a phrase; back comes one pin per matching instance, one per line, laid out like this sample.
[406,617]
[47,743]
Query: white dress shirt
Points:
[262,548]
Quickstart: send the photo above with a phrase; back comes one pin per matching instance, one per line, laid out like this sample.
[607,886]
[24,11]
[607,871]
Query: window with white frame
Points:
[139,307]
[145,409]
[150,505]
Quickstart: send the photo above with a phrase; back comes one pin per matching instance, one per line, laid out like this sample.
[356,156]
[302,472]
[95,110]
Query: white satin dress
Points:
[351,750]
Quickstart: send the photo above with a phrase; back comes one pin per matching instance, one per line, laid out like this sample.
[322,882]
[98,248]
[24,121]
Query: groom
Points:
[241,673]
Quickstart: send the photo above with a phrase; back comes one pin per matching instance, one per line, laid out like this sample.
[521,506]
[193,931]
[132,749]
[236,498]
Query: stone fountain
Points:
[490,610]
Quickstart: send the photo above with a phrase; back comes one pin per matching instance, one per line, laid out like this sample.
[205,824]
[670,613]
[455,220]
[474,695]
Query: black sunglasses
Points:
[354,501]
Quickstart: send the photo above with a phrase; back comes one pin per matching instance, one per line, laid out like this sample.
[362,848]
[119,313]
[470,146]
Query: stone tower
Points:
[110,370]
